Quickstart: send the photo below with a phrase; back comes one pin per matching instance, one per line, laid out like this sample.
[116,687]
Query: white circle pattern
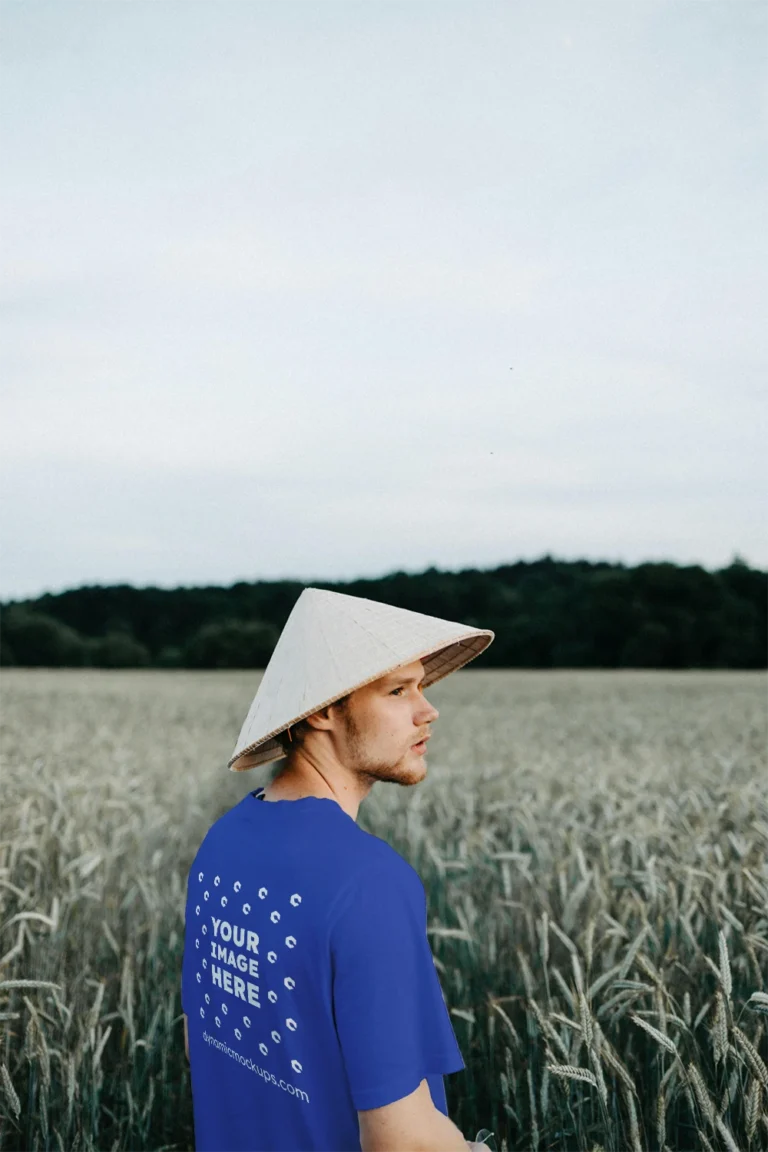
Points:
[288,981]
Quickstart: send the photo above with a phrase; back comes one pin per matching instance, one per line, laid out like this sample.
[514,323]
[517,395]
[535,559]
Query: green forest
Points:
[546,613]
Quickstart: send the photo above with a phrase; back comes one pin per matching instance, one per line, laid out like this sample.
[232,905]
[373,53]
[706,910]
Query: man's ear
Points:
[321,719]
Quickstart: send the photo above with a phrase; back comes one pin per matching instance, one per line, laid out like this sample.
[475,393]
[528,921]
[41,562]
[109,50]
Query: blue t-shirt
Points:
[308,980]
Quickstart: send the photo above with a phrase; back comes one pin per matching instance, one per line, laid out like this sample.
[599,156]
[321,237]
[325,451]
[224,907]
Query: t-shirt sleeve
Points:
[391,1019]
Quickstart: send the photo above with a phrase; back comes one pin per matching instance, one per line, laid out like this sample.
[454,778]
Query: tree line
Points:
[546,613]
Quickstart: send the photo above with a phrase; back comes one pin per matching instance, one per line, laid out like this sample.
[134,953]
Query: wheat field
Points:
[594,846]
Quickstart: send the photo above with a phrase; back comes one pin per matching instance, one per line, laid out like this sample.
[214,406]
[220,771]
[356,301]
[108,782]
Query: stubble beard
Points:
[394,772]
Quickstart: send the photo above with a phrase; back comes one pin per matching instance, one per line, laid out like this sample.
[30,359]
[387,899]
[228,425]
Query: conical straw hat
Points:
[333,644]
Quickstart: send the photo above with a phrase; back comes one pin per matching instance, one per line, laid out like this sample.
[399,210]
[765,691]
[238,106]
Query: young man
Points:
[313,1014]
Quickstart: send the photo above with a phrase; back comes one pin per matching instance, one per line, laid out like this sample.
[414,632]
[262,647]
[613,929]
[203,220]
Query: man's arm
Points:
[186,1037]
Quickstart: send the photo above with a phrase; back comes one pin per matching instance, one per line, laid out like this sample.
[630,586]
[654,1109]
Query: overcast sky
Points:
[325,290]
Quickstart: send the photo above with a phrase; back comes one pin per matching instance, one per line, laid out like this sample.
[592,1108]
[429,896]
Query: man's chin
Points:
[412,773]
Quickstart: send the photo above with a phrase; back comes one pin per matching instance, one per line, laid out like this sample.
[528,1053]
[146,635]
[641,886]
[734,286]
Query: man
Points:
[313,1014]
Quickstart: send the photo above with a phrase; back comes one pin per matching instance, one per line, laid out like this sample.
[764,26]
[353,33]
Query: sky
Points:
[326,291]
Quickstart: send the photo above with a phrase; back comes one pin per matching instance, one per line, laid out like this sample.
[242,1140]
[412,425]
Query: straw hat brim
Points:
[439,661]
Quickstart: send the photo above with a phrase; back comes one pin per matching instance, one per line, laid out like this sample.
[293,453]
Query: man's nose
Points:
[432,713]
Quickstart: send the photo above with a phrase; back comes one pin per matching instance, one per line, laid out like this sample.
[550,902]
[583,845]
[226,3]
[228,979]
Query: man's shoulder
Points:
[380,856]
[225,824]
[381,870]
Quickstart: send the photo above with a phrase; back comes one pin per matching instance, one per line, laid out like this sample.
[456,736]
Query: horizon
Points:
[736,560]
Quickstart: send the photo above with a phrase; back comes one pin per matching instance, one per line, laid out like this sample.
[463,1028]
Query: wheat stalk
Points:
[758,1002]
[562,936]
[532,1103]
[752,1056]
[705,1101]
[577,974]
[544,1092]
[10,1091]
[725,965]
[726,1135]
[661,1118]
[752,1107]
[719,1030]
[544,940]
[659,1037]
[586,1020]
[634,1130]
[589,937]
[7,984]
[687,1008]
[571,1072]
[613,1061]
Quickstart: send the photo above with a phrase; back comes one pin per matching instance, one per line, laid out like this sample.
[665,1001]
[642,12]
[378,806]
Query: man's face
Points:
[381,724]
